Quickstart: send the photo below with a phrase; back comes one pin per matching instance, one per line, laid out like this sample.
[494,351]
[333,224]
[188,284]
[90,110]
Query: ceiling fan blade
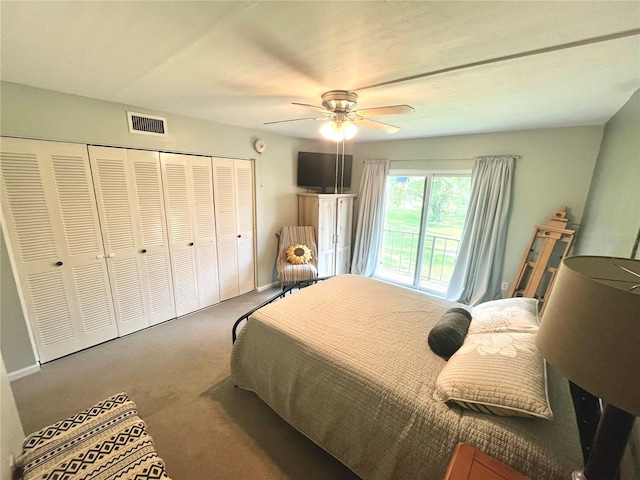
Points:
[389,110]
[293,120]
[385,127]
[319,109]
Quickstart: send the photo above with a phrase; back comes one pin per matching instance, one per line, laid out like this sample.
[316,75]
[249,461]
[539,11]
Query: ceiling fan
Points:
[337,110]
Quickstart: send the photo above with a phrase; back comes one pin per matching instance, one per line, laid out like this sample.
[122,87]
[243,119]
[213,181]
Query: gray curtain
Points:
[476,276]
[370,217]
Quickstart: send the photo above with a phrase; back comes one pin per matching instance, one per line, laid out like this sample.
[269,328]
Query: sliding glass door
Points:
[424,217]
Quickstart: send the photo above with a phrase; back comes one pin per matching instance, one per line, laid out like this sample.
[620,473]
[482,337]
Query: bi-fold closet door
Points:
[234,206]
[188,186]
[129,195]
[106,241]
[159,232]
[54,238]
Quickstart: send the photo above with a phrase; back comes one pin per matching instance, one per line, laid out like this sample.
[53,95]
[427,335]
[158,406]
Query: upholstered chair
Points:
[297,255]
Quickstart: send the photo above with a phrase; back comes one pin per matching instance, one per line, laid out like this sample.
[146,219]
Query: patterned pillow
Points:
[518,314]
[498,373]
[298,254]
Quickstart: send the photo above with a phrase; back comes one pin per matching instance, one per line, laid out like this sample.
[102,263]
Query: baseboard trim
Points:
[269,286]
[23,372]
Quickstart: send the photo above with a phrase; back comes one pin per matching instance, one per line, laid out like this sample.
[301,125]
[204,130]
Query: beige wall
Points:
[612,216]
[555,170]
[11,432]
[35,113]
[14,336]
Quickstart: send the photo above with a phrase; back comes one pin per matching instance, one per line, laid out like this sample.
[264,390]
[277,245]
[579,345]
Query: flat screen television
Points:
[317,171]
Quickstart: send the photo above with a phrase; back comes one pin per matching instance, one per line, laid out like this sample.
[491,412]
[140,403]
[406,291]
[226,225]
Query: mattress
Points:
[346,362]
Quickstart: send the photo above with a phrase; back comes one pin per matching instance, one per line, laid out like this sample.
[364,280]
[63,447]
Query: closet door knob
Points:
[144,250]
[59,264]
[239,236]
[191,244]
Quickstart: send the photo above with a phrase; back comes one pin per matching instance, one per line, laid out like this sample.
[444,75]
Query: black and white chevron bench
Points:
[106,441]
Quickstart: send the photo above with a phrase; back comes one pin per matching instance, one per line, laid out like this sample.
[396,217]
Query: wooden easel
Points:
[549,245]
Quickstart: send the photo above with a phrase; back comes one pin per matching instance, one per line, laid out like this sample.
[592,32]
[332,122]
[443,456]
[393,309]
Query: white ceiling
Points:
[243,63]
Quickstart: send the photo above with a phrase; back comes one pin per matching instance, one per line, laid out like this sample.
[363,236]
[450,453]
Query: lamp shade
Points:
[590,328]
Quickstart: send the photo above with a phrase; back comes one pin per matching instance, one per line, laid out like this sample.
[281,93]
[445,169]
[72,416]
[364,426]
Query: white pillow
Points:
[497,373]
[518,314]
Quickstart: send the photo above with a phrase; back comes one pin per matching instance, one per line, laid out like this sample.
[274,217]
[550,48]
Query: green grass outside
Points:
[400,256]
[408,220]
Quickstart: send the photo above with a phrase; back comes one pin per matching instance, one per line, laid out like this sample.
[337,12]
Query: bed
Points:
[346,363]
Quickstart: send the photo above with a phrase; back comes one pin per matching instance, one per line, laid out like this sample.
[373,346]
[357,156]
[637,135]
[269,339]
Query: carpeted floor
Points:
[178,375]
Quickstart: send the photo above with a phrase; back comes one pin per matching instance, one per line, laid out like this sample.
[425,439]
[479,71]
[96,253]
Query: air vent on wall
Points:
[146,124]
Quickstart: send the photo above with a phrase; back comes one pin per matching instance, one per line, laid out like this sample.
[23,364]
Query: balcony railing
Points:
[400,250]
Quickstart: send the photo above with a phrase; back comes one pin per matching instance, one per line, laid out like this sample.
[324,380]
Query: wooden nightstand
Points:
[469,463]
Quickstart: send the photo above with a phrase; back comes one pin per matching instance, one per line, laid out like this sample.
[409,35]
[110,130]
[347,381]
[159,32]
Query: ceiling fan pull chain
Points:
[335,187]
[342,179]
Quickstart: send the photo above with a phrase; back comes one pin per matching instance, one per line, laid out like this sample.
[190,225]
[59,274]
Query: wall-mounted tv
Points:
[317,171]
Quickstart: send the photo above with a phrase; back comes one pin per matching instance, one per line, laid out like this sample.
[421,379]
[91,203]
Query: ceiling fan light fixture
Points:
[338,131]
[337,108]
[339,100]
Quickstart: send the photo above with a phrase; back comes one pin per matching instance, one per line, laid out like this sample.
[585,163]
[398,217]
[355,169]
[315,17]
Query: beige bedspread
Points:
[346,362]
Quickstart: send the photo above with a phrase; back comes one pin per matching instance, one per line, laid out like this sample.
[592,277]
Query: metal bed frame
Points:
[286,290]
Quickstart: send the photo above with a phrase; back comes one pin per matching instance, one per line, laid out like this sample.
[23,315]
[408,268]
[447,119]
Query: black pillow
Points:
[446,337]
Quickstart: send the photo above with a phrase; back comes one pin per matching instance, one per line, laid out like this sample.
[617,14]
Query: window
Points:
[424,217]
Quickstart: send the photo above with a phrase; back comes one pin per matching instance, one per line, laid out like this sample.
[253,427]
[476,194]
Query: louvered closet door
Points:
[153,231]
[129,193]
[245,223]
[233,188]
[53,233]
[201,179]
[225,204]
[189,205]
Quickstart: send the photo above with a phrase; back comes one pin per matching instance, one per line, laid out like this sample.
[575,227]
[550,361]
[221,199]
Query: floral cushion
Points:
[518,314]
[298,254]
[497,373]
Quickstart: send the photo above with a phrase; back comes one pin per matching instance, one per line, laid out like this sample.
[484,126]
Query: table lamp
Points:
[590,332]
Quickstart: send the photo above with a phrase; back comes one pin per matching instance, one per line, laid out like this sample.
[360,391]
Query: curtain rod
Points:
[516,157]
[426,159]
[430,159]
